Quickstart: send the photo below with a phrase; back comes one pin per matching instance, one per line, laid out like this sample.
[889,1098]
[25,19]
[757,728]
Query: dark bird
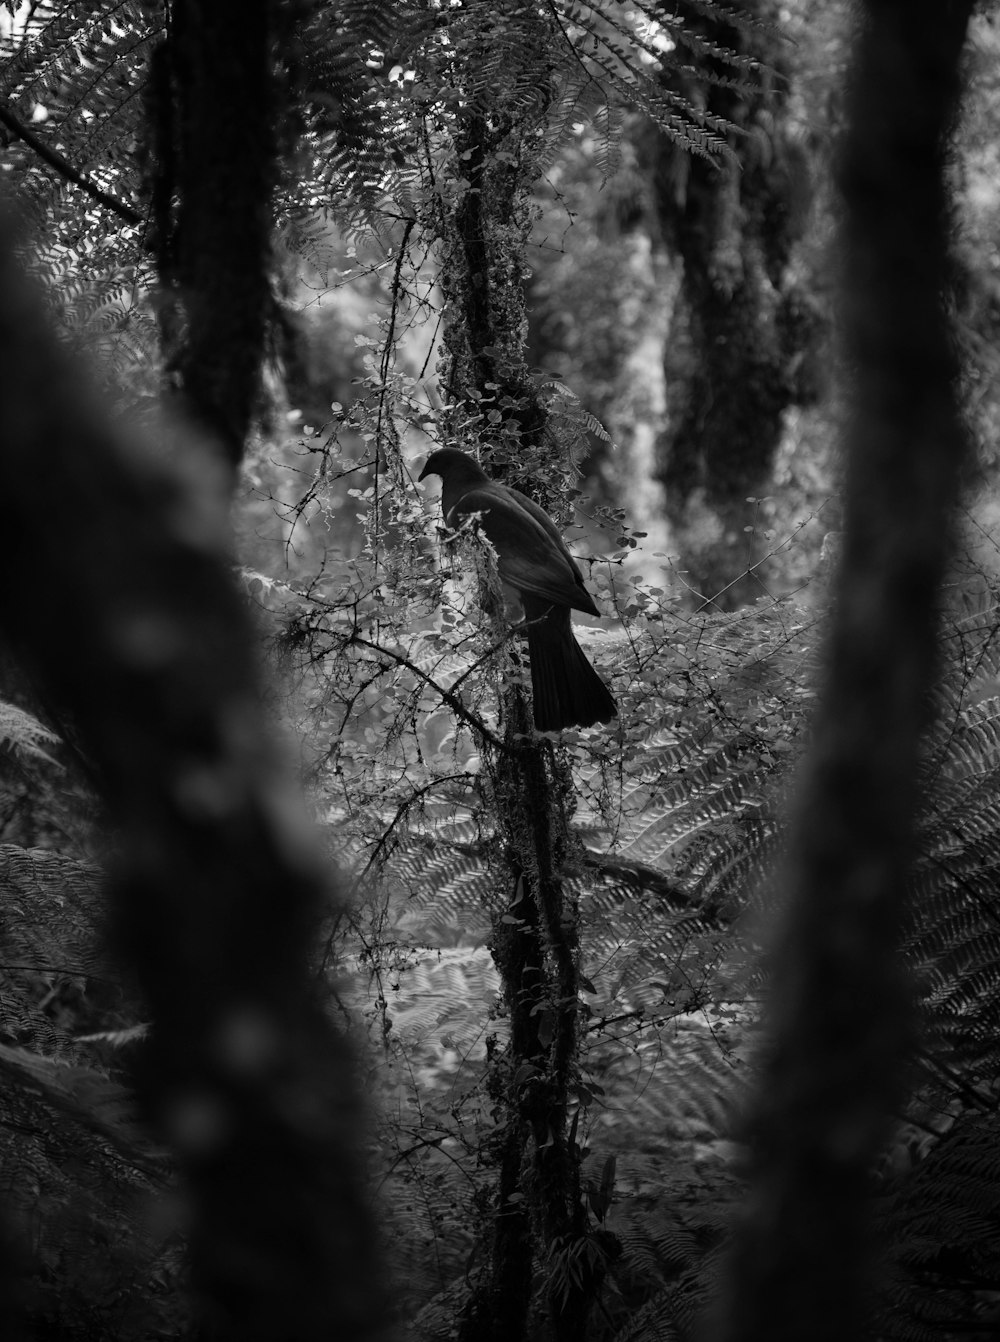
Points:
[534,560]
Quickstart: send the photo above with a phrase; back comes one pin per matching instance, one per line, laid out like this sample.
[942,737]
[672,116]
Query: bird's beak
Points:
[422,475]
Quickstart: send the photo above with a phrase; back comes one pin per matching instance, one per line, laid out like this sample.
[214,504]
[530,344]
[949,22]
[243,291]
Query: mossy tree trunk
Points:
[538,1212]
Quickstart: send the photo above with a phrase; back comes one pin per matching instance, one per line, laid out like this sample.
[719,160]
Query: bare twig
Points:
[452,700]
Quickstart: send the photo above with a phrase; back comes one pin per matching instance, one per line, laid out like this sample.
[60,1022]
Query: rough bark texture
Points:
[740,325]
[841,1014]
[215,106]
[487,329]
[218,888]
[534,945]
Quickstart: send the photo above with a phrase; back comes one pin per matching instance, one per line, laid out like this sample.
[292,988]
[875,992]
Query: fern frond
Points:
[24,734]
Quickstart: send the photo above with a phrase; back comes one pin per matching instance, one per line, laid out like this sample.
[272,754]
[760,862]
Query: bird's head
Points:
[451,464]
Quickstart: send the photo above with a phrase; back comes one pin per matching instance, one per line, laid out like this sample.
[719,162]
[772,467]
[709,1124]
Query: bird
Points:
[566,691]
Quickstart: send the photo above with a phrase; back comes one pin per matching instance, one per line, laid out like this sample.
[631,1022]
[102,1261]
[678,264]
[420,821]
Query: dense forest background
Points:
[334,999]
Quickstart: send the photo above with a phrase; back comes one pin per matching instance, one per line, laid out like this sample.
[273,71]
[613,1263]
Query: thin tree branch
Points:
[453,702]
[640,874]
[63,168]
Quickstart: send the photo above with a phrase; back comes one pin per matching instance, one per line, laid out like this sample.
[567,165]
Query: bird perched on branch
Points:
[534,560]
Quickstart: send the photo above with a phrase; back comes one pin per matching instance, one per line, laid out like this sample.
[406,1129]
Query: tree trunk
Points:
[214,113]
[840,1016]
[538,1209]
[739,324]
[218,889]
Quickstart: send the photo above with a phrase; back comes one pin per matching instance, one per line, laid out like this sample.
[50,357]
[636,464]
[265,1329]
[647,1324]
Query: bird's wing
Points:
[533,556]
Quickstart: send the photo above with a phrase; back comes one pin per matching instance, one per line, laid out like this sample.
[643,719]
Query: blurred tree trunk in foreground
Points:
[734,351]
[841,1020]
[218,889]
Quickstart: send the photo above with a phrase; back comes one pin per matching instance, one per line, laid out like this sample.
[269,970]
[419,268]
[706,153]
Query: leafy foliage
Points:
[381,89]
[74,74]
[679,831]
[676,838]
[22,733]
[383,81]
[78,1169]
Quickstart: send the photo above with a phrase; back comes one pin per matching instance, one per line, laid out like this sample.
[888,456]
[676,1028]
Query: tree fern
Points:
[77,1167]
[373,139]
[22,733]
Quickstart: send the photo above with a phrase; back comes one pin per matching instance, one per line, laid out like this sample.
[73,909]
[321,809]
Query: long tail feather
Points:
[565,688]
